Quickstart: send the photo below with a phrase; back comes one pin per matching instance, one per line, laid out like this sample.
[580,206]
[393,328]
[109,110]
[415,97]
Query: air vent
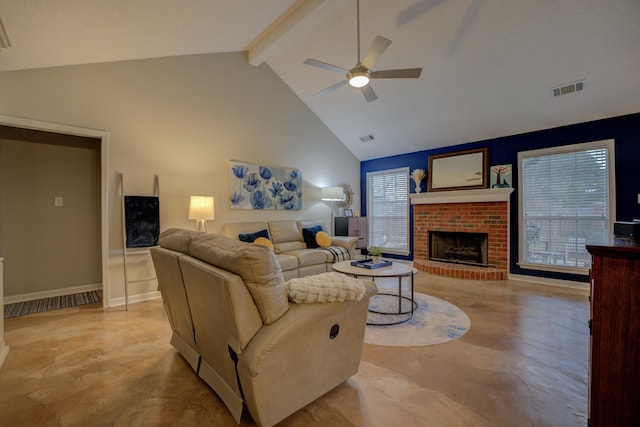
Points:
[570,88]
[367,138]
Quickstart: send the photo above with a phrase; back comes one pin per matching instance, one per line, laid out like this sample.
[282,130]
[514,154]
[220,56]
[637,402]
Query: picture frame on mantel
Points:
[460,170]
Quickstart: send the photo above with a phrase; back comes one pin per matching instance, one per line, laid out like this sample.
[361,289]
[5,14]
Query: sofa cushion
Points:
[308,257]
[251,237]
[323,239]
[236,228]
[308,223]
[287,262]
[284,231]
[257,265]
[264,242]
[288,246]
[311,270]
[309,236]
[177,239]
[325,287]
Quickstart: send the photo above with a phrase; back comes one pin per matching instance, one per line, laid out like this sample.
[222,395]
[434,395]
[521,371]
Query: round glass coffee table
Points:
[397,269]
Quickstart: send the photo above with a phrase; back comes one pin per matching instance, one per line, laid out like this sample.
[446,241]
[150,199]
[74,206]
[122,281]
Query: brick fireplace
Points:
[477,211]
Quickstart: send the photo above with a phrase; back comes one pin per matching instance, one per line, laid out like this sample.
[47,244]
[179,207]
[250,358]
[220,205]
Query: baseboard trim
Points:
[550,282]
[116,302]
[12,299]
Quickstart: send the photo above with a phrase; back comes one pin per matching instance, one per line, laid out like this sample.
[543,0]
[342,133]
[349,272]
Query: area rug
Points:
[46,304]
[434,321]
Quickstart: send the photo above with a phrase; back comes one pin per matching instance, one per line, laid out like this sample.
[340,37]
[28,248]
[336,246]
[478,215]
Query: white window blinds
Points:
[565,198]
[388,210]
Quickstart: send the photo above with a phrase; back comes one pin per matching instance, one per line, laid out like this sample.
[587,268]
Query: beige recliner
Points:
[232,321]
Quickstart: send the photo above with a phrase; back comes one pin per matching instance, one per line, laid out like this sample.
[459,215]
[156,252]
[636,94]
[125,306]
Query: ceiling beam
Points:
[4,38]
[260,47]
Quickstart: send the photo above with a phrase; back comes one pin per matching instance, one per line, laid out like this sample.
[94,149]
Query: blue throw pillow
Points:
[251,237]
[309,236]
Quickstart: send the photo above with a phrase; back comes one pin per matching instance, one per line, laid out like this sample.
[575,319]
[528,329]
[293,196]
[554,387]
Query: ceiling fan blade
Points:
[326,66]
[412,12]
[406,73]
[331,88]
[379,45]
[368,93]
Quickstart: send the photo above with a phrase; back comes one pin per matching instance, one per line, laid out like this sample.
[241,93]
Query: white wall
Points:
[32,175]
[183,119]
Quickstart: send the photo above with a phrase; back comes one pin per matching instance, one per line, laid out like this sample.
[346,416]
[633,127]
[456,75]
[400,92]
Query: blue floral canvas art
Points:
[254,186]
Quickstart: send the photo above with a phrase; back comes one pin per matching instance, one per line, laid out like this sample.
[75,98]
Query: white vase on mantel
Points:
[418,188]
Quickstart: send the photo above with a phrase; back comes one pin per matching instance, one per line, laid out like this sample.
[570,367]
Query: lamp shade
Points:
[332,194]
[201,207]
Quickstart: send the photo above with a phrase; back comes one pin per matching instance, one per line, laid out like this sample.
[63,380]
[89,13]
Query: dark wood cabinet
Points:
[352,226]
[614,395]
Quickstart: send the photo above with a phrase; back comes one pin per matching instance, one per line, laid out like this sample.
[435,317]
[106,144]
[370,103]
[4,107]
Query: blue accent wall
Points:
[625,130]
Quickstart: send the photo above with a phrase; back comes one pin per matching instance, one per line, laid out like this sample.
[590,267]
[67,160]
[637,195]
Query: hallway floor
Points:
[524,362]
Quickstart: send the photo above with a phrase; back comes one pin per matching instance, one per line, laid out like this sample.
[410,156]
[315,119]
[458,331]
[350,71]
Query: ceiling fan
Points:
[360,75]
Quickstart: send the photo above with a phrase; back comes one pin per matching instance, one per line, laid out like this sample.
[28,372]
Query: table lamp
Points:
[201,209]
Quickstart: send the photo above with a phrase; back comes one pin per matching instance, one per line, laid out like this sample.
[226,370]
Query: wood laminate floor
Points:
[524,362]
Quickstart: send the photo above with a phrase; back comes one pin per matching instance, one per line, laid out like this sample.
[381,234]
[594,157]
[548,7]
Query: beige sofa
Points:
[227,305]
[294,257]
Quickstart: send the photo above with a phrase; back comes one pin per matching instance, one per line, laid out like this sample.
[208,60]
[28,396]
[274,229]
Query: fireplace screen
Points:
[459,247]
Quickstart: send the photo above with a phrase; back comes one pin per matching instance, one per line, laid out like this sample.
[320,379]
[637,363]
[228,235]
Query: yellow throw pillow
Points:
[264,242]
[323,239]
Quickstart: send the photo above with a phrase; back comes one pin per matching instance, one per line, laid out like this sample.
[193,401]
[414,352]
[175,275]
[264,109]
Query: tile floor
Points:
[524,362]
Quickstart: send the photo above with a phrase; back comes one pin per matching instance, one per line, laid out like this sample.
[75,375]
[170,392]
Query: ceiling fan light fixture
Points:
[359,78]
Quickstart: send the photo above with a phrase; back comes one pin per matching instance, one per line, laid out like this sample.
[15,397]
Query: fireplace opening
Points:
[459,247]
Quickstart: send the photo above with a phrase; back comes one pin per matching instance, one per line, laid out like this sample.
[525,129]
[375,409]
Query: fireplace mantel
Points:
[462,196]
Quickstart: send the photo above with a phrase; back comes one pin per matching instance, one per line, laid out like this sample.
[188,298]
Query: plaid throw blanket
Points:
[324,287]
[338,252]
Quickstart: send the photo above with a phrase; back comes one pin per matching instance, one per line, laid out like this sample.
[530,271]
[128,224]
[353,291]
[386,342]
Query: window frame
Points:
[609,144]
[407,248]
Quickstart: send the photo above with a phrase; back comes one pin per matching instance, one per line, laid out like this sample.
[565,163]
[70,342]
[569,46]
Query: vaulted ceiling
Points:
[488,66]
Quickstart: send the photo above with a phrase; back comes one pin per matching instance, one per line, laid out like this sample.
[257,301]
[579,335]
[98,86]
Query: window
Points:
[566,198]
[388,210]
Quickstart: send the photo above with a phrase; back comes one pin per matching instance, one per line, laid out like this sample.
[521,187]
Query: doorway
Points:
[59,136]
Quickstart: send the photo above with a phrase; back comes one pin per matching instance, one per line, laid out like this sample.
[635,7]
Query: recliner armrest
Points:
[301,356]
[347,242]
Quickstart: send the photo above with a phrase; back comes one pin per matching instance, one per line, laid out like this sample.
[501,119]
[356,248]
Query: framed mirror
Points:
[462,170]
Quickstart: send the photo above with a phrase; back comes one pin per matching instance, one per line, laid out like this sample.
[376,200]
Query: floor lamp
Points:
[332,194]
